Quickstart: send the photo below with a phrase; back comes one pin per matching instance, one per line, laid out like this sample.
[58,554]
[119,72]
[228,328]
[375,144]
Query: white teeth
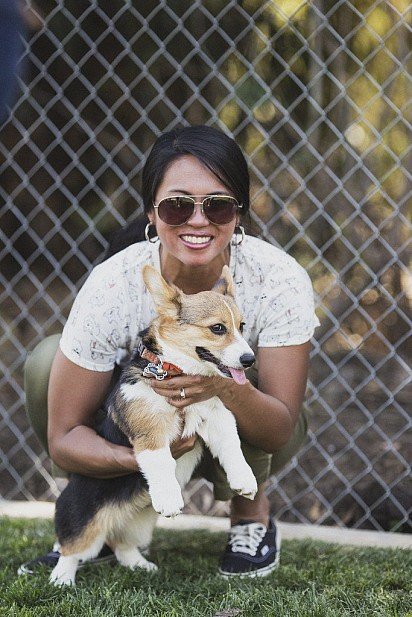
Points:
[197,239]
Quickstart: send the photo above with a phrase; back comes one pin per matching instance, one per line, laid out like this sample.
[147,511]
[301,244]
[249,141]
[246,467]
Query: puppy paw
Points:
[61,580]
[143,564]
[133,559]
[64,573]
[244,484]
[168,505]
[149,566]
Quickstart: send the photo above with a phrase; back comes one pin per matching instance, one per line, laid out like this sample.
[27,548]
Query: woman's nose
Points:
[198,217]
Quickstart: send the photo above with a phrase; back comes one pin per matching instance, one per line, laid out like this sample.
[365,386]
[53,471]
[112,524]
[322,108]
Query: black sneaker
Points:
[50,560]
[252,550]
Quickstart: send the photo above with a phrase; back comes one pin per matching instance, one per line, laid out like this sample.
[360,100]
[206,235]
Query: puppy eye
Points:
[218,328]
[242,325]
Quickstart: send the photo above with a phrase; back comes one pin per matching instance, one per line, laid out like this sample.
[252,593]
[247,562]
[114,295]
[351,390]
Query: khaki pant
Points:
[36,380]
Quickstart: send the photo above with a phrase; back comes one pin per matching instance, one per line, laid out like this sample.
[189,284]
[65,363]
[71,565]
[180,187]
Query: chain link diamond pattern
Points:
[318,96]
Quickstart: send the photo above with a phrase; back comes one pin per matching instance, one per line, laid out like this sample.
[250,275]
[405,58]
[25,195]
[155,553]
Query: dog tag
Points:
[155,370]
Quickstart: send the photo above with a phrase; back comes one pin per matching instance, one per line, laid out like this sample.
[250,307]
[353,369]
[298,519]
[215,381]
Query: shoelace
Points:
[246,538]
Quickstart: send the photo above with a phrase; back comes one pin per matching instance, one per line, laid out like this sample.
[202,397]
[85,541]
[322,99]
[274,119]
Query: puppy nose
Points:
[247,359]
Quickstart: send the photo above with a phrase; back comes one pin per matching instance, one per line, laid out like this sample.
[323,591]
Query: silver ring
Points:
[182,393]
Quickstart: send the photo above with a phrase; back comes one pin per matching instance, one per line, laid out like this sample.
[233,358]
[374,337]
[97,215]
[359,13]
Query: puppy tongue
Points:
[238,376]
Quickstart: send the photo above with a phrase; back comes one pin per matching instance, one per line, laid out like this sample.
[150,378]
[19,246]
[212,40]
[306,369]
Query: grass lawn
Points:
[314,579]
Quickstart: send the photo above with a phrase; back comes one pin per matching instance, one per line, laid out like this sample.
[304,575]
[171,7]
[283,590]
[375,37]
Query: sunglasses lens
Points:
[176,210]
[220,209]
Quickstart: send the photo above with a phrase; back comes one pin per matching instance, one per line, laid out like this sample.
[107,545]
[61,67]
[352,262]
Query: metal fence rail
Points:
[318,96]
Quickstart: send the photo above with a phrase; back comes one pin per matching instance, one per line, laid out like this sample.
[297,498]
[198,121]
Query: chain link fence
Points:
[318,96]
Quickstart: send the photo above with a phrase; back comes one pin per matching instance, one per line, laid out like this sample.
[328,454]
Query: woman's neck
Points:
[192,279]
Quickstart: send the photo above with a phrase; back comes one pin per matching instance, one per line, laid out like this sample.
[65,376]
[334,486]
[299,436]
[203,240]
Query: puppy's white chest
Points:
[196,415]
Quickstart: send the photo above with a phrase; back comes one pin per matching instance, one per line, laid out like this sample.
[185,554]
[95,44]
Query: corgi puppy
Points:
[197,334]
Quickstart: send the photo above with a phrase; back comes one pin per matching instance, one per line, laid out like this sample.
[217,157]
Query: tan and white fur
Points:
[200,334]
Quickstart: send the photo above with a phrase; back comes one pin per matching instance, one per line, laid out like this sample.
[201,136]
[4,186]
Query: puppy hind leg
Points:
[131,557]
[145,523]
[83,548]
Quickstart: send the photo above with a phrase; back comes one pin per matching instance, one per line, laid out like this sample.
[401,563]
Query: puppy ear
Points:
[225,284]
[167,298]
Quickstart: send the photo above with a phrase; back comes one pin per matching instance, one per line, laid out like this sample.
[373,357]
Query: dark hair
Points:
[213,148]
[216,150]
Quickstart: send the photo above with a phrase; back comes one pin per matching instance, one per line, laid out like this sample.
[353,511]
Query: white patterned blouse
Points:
[273,292]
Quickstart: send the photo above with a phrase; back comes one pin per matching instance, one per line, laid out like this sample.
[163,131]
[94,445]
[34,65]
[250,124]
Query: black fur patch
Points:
[149,341]
[130,379]
[205,354]
[84,496]
[119,419]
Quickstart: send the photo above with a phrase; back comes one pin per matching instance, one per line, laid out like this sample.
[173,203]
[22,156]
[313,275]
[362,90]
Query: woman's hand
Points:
[182,445]
[196,388]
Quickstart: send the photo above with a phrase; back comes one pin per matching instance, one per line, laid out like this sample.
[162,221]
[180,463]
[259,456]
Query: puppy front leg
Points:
[159,468]
[64,573]
[219,432]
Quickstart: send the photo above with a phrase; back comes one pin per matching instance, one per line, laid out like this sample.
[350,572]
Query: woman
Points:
[195,193]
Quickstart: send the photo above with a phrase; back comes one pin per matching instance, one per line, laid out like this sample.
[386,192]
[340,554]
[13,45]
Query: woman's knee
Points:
[36,382]
[38,362]
[281,457]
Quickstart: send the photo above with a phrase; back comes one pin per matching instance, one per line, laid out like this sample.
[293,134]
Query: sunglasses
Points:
[177,210]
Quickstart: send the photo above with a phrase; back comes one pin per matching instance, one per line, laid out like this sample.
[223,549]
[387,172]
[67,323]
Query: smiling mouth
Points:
[238,375]
[196,239]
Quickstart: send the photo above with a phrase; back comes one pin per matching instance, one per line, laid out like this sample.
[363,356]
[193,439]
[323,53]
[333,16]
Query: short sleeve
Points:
[287,314]
[97,322]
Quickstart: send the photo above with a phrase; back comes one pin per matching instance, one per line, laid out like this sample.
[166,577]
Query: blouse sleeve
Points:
[287,315]
[97,321]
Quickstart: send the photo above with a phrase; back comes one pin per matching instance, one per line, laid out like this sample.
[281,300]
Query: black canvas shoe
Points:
[252,550]
[50,560]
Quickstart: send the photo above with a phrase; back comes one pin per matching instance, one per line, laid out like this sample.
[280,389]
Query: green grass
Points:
[314,580]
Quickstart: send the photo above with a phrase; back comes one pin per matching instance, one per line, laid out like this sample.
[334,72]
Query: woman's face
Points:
[188,176]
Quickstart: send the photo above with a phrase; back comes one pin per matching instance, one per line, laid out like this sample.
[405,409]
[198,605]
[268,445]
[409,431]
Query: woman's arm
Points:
[265,417]
[75,395]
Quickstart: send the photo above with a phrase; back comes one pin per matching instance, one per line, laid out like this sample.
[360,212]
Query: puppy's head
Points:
[206,327]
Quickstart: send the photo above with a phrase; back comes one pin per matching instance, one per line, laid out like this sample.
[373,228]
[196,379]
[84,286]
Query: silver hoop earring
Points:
[154,239]
[238,236]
